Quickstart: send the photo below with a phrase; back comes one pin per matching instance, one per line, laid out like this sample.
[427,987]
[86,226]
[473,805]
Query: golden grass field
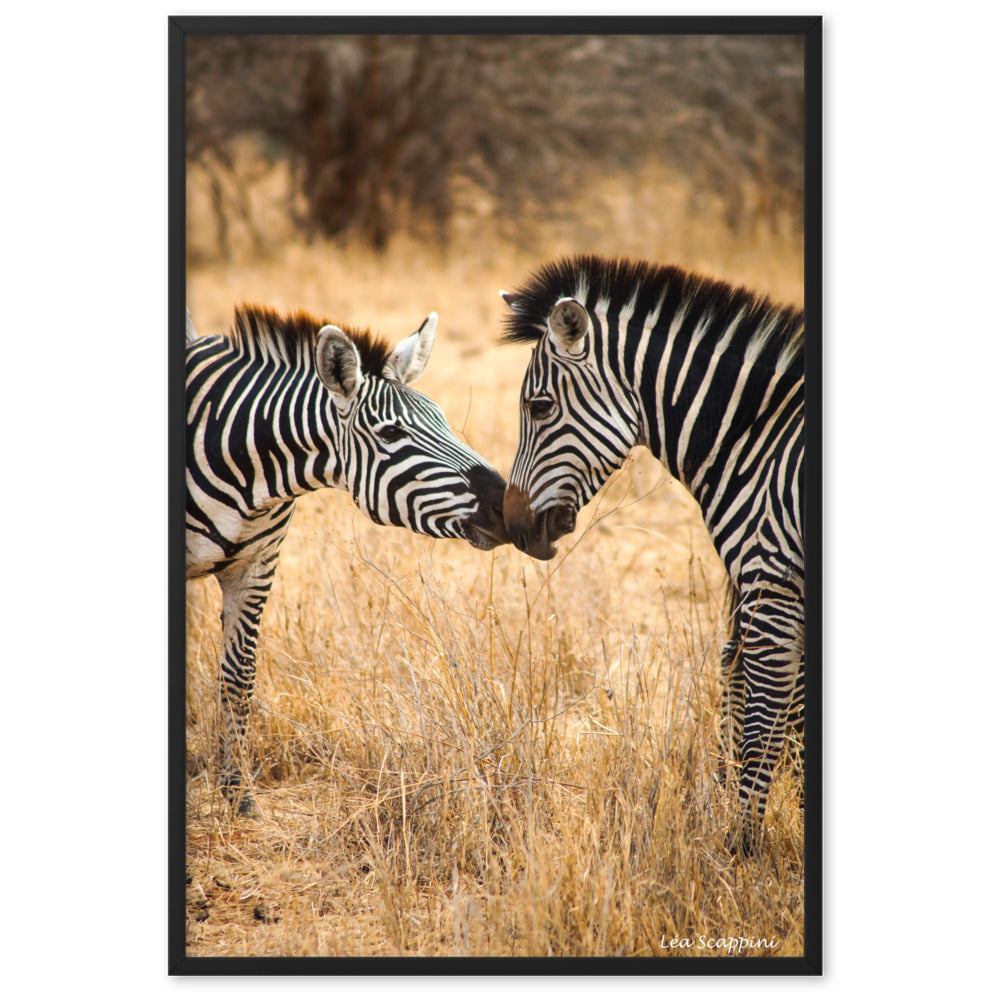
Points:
[462,753]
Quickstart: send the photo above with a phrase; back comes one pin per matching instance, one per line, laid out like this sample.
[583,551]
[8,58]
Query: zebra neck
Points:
[293,437]
[705,395]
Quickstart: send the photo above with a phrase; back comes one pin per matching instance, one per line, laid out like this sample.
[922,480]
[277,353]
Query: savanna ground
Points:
[459,753]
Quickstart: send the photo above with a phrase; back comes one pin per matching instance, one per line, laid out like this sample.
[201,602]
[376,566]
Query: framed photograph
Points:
[515,668]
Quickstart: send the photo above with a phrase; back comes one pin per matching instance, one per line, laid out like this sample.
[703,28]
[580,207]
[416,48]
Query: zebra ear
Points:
[190,333]
[514,302]
[338,362]
[568,326]
[408,360]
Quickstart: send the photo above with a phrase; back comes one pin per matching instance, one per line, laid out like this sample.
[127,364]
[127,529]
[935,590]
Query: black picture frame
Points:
[811,963]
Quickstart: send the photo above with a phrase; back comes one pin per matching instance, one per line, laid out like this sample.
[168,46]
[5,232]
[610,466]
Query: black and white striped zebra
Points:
[710,378]
[286,405]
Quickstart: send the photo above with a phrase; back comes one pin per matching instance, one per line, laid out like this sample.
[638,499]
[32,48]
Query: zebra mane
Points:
[590,279]
[293,336]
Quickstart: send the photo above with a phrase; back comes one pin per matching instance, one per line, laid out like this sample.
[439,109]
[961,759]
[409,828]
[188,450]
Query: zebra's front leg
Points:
[244,594]
[731,709]
[771,655]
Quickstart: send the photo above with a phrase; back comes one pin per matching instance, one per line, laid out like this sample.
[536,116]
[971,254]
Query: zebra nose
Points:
[488,486]
[517,516]
[533,533]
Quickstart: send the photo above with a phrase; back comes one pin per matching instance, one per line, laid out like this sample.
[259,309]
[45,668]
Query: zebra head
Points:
[400,460]
[578,423]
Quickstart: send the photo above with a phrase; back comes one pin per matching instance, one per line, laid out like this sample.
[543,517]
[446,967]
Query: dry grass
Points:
[462,753]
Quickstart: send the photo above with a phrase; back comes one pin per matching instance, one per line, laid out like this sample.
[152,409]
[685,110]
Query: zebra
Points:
[710,378]
[285,405]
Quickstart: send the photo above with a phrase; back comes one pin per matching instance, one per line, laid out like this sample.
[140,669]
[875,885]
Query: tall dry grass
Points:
[461,753]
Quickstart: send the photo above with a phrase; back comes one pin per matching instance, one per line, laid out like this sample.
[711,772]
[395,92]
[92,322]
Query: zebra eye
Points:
[391,433]
[540,407]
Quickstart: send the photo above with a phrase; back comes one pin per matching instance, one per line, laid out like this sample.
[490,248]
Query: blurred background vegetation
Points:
[376,135]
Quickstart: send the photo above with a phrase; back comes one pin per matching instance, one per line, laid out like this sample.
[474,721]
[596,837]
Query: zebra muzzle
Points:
[486,529]
[535,534]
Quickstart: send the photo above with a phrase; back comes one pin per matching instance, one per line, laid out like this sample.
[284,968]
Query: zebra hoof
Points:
[242,800]
[248,808]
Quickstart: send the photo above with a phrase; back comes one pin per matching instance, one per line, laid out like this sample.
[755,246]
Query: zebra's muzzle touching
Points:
[535,533]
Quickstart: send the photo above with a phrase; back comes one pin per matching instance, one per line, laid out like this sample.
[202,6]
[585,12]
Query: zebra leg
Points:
[771,653]
[731,712]
[733,696]
[245,589]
